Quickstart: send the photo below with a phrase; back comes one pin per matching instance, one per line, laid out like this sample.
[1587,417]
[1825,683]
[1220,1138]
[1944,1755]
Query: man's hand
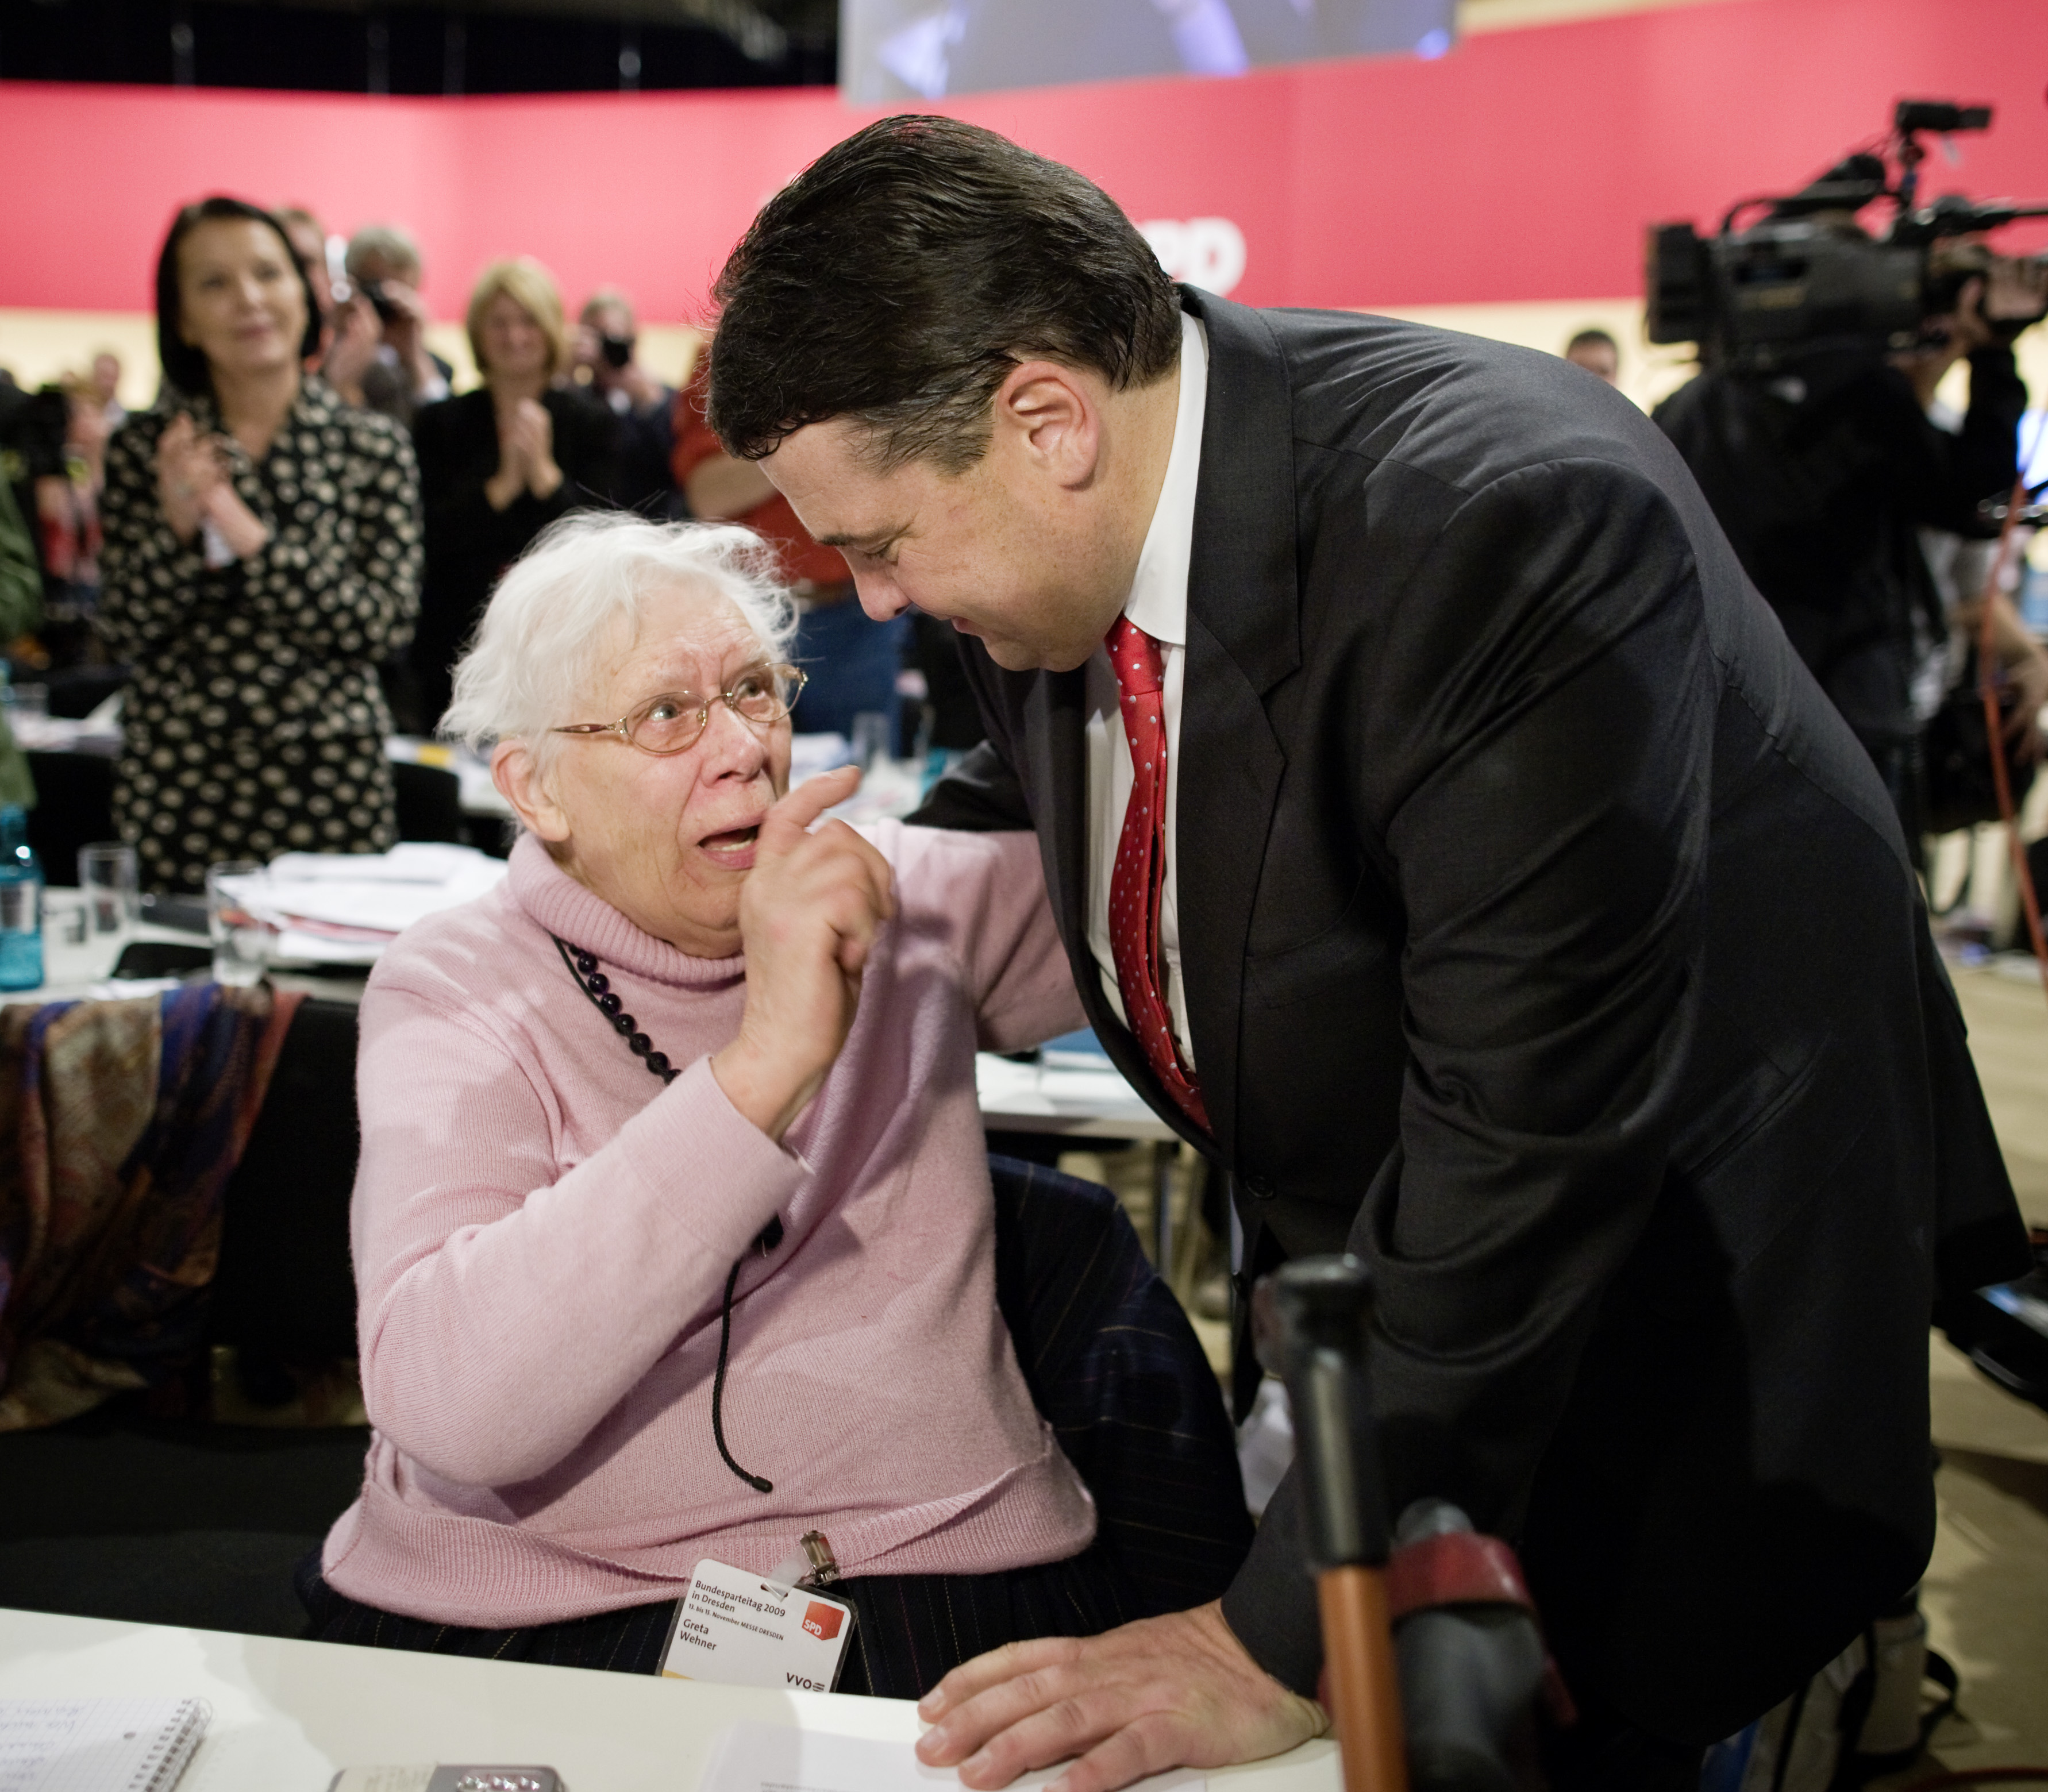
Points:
[2029,678]
[357,336]
[406,332]
[808,913]
[1176,1691]
[2015,292]
[2023,662]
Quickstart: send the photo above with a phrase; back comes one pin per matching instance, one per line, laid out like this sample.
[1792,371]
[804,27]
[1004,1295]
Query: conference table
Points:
[287,1715]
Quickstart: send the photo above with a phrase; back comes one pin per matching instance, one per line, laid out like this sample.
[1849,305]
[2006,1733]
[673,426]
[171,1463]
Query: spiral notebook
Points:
[97,1745]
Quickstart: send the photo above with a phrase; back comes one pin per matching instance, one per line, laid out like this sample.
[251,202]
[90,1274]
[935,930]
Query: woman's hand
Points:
[534,430]
[239,526]
[190,468]
[525,454]
[808,915]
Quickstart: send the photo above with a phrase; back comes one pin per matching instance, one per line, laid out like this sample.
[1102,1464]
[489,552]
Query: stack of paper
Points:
[345,908]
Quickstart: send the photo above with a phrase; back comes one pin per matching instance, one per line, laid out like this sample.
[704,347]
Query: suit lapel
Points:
[1054,722]
[1243,637]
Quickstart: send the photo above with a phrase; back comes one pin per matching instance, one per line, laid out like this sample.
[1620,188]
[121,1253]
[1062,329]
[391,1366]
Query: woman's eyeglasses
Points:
[673,721]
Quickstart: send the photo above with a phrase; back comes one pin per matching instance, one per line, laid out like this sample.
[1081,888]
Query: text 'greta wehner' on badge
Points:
[744,1630]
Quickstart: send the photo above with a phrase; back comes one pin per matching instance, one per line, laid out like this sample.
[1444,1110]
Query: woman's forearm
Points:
[501,1320]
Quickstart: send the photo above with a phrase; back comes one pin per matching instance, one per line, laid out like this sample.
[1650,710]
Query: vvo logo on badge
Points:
[743,1630]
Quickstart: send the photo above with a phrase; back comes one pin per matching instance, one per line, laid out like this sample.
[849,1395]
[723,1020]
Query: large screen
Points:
[893,50]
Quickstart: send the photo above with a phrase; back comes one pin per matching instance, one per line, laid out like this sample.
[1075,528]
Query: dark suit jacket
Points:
[1550,943]
[469,543]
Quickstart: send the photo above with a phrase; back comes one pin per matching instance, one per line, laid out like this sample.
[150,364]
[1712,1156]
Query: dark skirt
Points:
[910,1630]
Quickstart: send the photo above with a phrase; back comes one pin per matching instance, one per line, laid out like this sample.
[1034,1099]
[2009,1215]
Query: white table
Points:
[287,1715]
[1075,1103]
[1083,1105]
[74,973]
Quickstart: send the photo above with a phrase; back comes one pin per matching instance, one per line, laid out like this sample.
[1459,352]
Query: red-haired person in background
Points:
[852,660]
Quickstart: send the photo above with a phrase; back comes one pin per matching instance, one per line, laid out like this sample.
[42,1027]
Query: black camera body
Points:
[373,290]
[1806,277]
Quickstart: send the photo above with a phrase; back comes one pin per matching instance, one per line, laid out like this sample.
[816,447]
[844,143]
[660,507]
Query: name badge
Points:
[744,1630]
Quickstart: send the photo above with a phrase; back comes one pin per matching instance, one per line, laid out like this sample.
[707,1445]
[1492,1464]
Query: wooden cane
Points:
[1365,1695]
[1310,1320]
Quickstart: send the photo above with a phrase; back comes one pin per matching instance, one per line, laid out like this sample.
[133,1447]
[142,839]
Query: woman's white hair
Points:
[577,597]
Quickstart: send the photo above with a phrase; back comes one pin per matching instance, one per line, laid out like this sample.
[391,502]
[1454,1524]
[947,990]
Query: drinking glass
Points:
[871,739]
[109,880]
[241,941]
[25,702]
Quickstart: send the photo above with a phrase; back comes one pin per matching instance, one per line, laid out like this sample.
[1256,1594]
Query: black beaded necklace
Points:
[583,966]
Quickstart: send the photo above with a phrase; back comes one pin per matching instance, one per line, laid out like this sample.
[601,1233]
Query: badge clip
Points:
[824,1566]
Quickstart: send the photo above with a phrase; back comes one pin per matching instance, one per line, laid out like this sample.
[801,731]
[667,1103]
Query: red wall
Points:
[1522,166]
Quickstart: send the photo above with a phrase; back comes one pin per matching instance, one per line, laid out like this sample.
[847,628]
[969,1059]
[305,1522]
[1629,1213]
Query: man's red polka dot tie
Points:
[1140,873]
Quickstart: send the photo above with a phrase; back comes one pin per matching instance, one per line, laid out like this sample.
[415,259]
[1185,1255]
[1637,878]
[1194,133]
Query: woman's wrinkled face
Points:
[515,345]
[241,302]
[668,841]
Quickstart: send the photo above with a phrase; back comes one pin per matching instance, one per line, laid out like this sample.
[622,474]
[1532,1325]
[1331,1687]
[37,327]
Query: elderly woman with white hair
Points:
[672,1228]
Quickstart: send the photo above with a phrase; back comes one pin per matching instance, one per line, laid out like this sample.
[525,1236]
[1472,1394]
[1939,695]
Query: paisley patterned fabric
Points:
[256,725]
[120,1124]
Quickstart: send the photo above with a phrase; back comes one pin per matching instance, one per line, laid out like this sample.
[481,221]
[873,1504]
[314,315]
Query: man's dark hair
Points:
[1592,339]
[901,276]
[185,365]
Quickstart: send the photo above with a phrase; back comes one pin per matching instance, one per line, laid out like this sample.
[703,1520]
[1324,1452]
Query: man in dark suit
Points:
[1448,842]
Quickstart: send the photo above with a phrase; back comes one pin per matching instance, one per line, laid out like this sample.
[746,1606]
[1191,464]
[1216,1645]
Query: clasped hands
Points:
[525,454]
[195,486]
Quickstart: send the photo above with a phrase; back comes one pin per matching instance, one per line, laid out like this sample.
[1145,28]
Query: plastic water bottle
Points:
[20,903]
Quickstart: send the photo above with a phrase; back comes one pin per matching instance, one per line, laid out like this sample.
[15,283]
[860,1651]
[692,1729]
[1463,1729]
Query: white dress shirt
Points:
[1158,604]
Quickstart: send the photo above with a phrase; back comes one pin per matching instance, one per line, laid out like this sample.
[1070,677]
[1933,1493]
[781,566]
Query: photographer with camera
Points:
[379,359]
[1813,446]
[607,338]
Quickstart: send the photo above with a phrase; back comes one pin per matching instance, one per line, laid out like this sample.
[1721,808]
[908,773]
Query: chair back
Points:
[428,800]
[285,1286]
[1117,1371]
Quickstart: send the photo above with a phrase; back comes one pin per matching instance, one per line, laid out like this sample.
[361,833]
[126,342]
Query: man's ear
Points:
[519,782]
[1051,415]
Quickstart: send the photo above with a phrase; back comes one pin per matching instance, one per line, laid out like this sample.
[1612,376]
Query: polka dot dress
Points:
[1140,871]
[255,724]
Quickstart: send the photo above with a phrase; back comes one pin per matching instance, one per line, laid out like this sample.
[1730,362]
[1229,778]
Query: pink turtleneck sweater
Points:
[542,1233]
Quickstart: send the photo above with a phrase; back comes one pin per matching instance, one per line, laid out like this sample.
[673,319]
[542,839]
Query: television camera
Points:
[1806,277]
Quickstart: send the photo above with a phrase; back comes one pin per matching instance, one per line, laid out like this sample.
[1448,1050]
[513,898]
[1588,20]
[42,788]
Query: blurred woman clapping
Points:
[262,554]
[499,464]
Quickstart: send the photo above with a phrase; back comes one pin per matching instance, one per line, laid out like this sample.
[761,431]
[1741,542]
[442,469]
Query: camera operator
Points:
[1823,468]
[379,359]
[606,343]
